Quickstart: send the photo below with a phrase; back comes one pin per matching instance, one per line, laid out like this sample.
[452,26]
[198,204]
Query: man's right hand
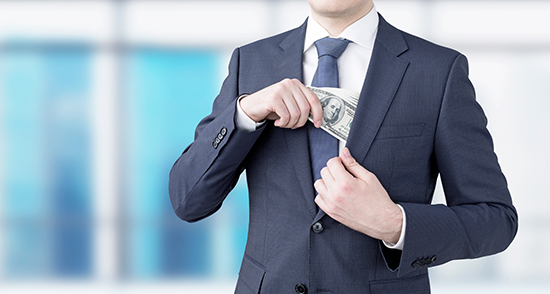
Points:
[288,102]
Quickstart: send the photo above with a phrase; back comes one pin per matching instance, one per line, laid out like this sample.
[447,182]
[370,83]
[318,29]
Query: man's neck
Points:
[335,25]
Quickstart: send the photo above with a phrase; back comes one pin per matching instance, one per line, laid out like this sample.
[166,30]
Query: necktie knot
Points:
[331,46]
[329,50]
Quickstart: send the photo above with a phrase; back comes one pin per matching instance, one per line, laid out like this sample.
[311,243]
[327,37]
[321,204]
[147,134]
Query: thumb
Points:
[352,165]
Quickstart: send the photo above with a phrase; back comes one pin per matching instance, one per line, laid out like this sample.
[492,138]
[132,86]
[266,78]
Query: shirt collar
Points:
[362,32]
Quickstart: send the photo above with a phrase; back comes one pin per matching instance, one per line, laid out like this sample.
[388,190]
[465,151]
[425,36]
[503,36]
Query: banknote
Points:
[338,110]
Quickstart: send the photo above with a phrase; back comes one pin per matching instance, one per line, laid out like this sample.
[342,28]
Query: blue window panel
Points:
[26,253]
[236,209]
[68,146]
[21,116]
[46,154]
[24,198]
[161,123]
[143,251]
[168,93]
[185,248]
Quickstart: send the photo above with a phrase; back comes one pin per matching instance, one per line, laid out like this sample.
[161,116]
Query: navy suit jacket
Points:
[417,118]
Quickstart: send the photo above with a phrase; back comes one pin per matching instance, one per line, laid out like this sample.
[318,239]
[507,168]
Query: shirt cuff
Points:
[401,242]
[244,122]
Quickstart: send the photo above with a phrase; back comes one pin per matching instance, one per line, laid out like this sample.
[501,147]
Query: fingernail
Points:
[346,153]
[318,124]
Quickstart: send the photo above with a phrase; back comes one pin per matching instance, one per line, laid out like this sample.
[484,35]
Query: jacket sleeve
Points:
[210,166]
[479,218]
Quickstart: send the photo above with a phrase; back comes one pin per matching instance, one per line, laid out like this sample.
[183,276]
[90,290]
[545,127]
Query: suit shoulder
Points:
[267,44]
[412,48]
[423,48]
[423,55]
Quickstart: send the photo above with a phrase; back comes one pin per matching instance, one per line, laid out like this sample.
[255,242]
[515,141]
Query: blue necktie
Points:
[323,146]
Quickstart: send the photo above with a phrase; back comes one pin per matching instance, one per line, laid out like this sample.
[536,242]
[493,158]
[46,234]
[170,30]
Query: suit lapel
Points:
[288,64]
[386,70]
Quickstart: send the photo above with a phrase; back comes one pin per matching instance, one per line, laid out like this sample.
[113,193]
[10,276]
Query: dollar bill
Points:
[338,110]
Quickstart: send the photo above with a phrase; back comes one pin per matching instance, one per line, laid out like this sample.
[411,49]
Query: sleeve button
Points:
[300,288]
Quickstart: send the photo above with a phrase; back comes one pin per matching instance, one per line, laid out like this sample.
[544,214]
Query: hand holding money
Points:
[338,110]
[288,103]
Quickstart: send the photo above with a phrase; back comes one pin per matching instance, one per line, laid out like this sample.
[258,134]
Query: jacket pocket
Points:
[251,277]
[414,285]
[400,131]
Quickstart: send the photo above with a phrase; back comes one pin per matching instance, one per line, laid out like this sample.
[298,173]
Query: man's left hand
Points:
[353,196]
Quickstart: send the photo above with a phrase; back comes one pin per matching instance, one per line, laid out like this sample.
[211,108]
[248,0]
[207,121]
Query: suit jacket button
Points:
[300,288]
[317,227]
[220,136]
[416,264]
[223,131]
[433,259]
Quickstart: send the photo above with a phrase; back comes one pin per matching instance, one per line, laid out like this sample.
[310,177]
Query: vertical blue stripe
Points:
[25,204]
[68,149]
[46,155]
[168,93]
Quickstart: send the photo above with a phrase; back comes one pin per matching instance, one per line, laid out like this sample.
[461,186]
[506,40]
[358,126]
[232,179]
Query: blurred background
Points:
[99,98]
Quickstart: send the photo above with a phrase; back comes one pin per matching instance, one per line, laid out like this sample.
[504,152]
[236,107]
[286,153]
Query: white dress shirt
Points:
[352,70]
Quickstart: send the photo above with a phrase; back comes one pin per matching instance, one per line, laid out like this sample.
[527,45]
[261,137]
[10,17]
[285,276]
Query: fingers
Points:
[320,186]
[326,175]
[299,97]
[315,106]
[337,170]
[353,167]
[288,102]
[280,112]
[288,111]
[344,168]
[295,97]
[321,202]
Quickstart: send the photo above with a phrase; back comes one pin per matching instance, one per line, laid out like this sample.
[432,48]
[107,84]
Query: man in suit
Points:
[360,222]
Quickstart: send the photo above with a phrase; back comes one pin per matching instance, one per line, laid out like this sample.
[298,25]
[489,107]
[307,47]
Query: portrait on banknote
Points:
[332,109]
[338,110]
